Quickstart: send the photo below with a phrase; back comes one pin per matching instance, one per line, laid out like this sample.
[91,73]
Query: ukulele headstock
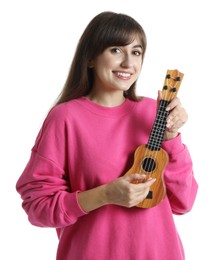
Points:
[171,84]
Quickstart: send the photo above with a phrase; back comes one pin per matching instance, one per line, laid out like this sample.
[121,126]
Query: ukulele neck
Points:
[171,85]
[159,126]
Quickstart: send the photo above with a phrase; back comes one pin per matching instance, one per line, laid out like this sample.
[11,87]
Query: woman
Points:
[74,180]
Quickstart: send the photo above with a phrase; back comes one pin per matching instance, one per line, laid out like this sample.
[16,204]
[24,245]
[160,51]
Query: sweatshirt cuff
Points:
[174,145]
[72,207]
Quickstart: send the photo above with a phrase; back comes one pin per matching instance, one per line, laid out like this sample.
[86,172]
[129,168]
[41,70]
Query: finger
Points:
[141,186]
[172,121]
[159,95]
[177,110]
[136,177]
[143,192]
[149,182]
[175,127]
[174,103]
[159,98]
[176,119]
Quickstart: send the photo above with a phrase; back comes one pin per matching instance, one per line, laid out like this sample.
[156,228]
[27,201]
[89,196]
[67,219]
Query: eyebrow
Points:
[138,46]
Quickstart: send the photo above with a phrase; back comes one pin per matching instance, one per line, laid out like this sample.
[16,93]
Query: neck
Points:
[108,99]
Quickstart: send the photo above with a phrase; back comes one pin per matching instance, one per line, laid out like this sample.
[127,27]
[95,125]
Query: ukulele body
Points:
[152,164]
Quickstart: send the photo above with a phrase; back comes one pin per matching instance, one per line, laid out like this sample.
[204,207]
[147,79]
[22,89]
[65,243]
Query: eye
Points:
[137,53]
[115,50]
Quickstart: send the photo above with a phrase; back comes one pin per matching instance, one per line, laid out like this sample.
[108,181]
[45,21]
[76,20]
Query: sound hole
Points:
[148,164]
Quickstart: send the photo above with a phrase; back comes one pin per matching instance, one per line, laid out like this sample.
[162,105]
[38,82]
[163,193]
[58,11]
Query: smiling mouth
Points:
[123,75]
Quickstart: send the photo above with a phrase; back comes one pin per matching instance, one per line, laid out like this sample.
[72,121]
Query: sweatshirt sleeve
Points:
[179,178]
[44,184]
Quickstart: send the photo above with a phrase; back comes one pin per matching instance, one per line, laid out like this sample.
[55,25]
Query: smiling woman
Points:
[74,180]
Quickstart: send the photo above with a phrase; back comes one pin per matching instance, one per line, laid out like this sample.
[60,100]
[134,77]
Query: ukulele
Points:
[150,159]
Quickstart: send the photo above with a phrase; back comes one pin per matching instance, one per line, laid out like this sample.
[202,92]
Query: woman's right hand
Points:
[128,191]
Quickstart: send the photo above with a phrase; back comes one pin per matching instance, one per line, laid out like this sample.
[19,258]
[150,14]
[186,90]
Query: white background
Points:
[38,39]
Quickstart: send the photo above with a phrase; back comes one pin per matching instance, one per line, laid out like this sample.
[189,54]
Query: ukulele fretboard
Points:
[159,126]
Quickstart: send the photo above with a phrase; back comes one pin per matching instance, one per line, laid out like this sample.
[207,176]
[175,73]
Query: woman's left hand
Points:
[176,118]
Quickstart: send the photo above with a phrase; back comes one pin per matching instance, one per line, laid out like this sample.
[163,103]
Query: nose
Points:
[127,61]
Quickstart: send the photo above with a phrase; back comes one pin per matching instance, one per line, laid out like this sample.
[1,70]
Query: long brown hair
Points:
[105,30]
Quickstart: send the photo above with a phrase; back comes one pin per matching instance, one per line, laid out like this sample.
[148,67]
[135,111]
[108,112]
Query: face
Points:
[118,67]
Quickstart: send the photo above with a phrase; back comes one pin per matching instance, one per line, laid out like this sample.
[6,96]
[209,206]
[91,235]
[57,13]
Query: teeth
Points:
[122,74]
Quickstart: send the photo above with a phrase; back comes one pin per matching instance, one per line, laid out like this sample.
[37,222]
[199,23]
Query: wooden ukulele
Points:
[150,159]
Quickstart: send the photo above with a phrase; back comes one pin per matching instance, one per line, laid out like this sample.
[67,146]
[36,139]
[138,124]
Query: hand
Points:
[176,118]
[124,192]
[120,192]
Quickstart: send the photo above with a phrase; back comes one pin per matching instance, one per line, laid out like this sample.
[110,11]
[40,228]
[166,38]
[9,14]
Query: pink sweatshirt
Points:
[82,145]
